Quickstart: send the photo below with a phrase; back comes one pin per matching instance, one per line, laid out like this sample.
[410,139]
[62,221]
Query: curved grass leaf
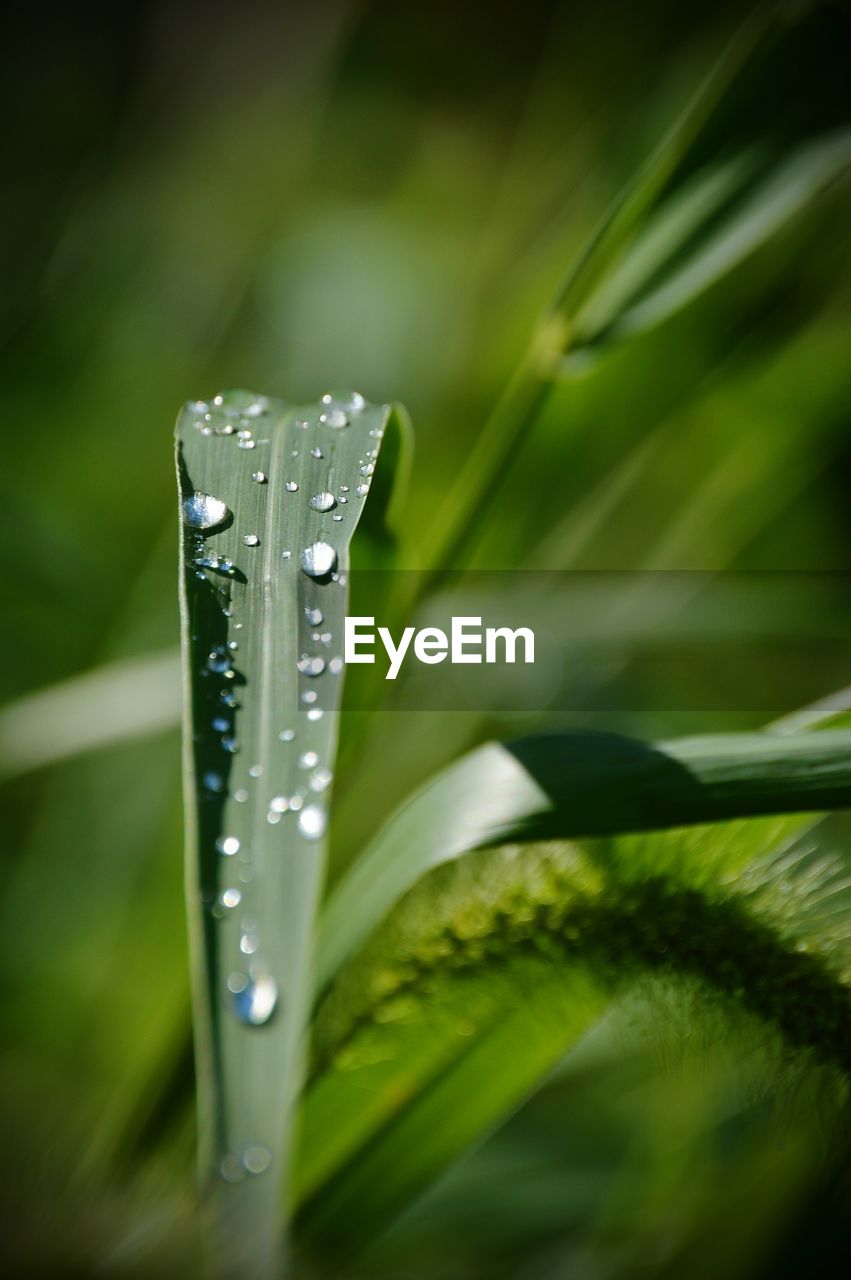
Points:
[270,497]
[577,784]
[488,971]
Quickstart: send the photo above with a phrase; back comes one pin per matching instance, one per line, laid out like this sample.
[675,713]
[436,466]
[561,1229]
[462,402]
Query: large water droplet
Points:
[254,1000]
[323,501]
[203,511]
[319,560]
[228,845]
[312,822]
[314,617]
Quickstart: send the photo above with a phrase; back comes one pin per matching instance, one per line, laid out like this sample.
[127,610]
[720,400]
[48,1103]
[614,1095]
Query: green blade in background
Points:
[568,785]
[270,497]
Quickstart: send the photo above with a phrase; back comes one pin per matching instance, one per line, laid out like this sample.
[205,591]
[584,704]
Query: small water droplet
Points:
[231,1168]
[323,501]
[319,560]
[344,488]
[309,695]
[230,744]
[285,555]
[312,822]
[335,666]
[338,518]
[246,444]
[291,486]
[259,477]
[316,452]
[296,803]
[203,511]
[279,804]
[367,469]
[214,782]
[334,418]
[240,796]
[314,617]
[248,944]
[251,540]
[228,698]
[287,735]
[308,759]
[219,660]
[315,713]
[320,779]
[362,490]
[230,898]
[310,665]
[228,845]
[220,724]
[254,1001]
[256,771]
[256,1159]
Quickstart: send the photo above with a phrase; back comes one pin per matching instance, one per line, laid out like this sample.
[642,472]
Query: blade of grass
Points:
[530,386]
[270,498]
[569,785]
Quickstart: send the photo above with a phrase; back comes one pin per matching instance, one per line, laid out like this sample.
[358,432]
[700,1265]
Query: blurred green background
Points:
[294,196]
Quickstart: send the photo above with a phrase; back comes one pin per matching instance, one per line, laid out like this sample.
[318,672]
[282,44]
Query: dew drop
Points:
[219,660]
[203,511]
[334,418]
[312,822]
[367,469]
[319,560]
[246,444]
[230,898]
[220,724]
[228,845]
[251,540]
[248,944]
[214,782]
[230,744]
[309,695]
[259,477]
[279,804]
[286,735]
[335,666]
[316,452]
[362,490]
[314,617]
[296,803]
[311,666]
[338,518]
[256,1159]
[254,1001]
[308,759]
[315,713]
[256,771]
[291,486]
[240,796]
[323,501]
[321,779]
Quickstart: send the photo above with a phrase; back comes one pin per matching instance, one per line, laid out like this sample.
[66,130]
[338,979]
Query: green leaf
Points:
[761,213]
[486,973]
[270,497]
[577,784]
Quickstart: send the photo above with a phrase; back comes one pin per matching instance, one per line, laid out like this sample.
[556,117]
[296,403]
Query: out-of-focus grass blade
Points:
[761,214]
[485,973]
[568,785]
[115,703]
[553,335]
[678,219]
[270,497]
